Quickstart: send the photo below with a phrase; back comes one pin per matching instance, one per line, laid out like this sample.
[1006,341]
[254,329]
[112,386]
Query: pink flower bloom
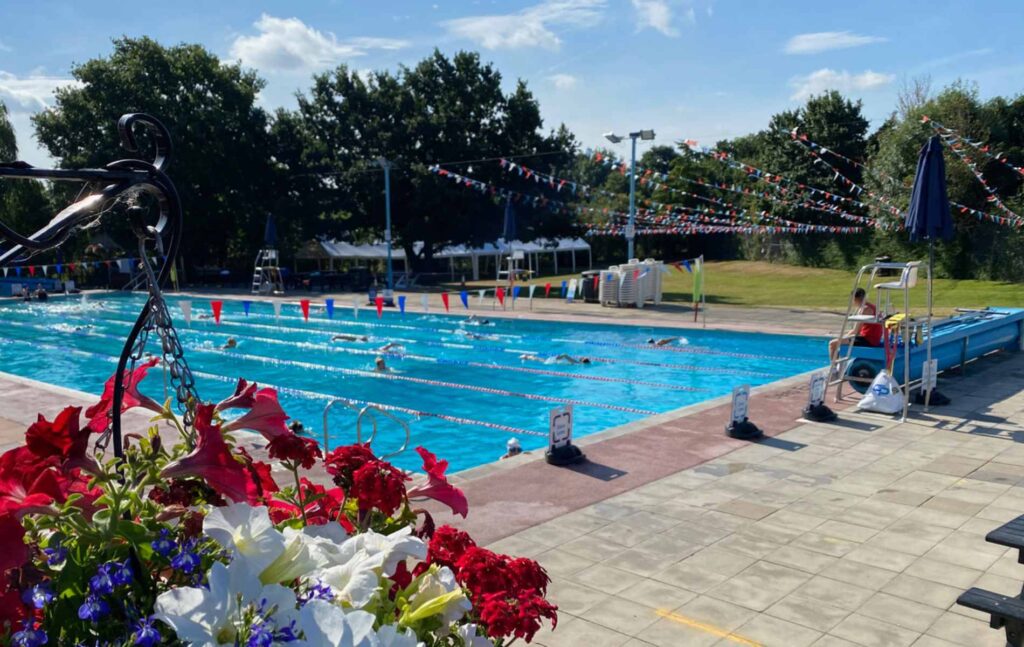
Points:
[27,483]
[242,398]
[266,416]
[99,413]
[211,460]
[437,486]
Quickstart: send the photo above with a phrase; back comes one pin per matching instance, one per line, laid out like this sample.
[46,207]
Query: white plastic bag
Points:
[883,396]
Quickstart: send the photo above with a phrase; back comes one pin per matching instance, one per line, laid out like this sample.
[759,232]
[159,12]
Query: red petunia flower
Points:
[343,462]
[14,552]
[211,460]
[27,484]
[261,479]
[62,439]
[242,398]
[99,413]
[295,449]
[437,486]
[448,545]
[322,506]
[266,416]
[528,574]
[378,485]
[520,616]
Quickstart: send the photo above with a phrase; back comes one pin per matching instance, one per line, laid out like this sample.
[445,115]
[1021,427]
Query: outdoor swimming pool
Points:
[462,397]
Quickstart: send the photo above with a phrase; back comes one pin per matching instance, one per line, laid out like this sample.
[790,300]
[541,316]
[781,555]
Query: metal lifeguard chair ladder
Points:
[266,274]
[839,371]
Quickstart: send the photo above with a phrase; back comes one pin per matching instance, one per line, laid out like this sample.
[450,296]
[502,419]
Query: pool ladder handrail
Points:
[371,410]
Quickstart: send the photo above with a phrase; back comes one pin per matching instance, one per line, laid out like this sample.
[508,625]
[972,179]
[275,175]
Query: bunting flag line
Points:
[949,134]
[186,311]
[245,306]
[329,306]
[216,306]
[401,305]
[304,304]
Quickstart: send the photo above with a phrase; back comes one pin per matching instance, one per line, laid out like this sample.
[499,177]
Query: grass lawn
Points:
[752,283]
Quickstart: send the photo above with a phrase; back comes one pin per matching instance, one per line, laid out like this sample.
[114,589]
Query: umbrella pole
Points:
[931,270]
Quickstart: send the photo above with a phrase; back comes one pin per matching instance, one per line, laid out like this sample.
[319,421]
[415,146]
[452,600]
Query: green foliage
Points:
[221,164]
[24,204]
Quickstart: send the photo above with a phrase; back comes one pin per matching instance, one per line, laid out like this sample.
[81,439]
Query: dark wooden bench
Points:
[1006,612]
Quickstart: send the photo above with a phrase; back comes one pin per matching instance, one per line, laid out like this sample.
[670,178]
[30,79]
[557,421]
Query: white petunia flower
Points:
[470,637]
[385,552]
[244,530]
[325,625]
[437,593]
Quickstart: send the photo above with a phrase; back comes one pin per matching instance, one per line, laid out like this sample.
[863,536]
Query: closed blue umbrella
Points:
[270,232]
[928,217]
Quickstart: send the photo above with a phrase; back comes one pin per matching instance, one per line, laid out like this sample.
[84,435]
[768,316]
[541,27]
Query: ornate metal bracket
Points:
[122,182]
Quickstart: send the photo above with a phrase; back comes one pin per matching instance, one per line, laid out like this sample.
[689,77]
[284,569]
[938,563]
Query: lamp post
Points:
[646,135]
[386,165]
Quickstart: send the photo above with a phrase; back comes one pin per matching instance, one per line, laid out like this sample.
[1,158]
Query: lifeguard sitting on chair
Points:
[867,333]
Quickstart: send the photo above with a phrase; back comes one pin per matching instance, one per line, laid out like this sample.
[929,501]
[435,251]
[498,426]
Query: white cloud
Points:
[288,44]
[30,93]
[657,14]
[824,41]
[826,79]
[4,47]
[531,27]
[563,81]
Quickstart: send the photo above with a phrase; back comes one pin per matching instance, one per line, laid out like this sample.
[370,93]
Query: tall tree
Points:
[24,204]
[450,110]
[221,165]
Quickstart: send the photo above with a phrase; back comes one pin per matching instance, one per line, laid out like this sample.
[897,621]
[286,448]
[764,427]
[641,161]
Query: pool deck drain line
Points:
[312,395]
[396,355]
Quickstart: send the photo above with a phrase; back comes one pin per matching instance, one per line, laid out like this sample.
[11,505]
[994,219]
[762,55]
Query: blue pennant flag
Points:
[465,299]
[329,304]
[401,304]
[17,271]
[515,292]
[686,264]
[245,306]
[58,268]
[565,288]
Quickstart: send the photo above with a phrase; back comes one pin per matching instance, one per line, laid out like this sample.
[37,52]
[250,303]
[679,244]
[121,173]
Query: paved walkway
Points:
[858,533]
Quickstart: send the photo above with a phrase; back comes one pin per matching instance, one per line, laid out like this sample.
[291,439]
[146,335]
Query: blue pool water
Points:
[462,397]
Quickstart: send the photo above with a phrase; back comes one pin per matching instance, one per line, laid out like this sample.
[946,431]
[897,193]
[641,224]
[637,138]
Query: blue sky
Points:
[695,69]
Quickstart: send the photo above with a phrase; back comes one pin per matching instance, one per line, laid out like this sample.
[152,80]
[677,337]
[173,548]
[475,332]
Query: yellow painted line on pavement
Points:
[711,629]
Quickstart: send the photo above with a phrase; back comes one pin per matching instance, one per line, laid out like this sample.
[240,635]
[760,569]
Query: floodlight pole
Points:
[631,229]
[386,165]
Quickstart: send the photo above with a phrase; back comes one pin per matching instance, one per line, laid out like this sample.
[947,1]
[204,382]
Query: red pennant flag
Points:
[547,290]
[444,299]
[31,270]
[636,274]
[379,301]
[596,279]
[304,304]
[107,263]
[71,267]
[500,293]
[216,306]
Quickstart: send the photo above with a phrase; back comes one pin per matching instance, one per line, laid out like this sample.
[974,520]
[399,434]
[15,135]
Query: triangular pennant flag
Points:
[245,306]
[401,304]
[45,269]
[277,309]
[216,306]
[500,293]
[379,302]
[71,267]
[547,290]
[329,306]
[686,264]
[304,304]
[465,299]
[532,288]
[565,288]
[186,311]
[597,279]
[58,266]
[444,300]
[355,307]
[425,302]
[480,296]
[31,270]
[5,272]
[515,293]
[17,271]
[569,292]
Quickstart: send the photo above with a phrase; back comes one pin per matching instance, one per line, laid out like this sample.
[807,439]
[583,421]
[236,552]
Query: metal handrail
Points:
[372,411]
[387,414]
[350,405]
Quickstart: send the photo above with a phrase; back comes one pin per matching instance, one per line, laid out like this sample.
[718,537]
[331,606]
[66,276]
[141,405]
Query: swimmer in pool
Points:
[349,337]
[390,346]
[477,336]
[512,448]
[380,366]
[477,321]
[558,359]
[232,343]
[662,342]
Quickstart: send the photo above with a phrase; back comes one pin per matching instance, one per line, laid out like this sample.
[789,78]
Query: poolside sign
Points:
[929,375]
[561,451]
[816,411]
[739,425]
